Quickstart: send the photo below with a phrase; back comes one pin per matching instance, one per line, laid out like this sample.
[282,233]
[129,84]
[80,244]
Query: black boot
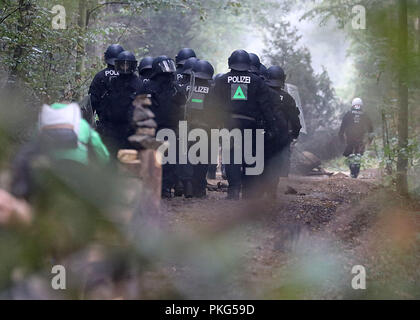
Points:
[166,193]
[188,189]
[179,189]
[200,193]
[211,172]
[356,170]
[224,174]
[233,193]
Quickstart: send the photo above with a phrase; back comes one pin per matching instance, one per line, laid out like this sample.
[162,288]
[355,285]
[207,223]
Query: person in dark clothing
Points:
[255,64]
[263,72]
[167,98]
[197,90]
[242,100]
[354,127]
[180,59]
[183,82]
[99,87]
[276,81]
[275,147]
[145,69]
[186,71]
[115,117]
[212,168]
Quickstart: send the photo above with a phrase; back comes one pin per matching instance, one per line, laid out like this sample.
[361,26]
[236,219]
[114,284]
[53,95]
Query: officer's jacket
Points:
[118,103]
[196,111]
[281,121]
[291,112]
[355,125]
[100,87]
[167,99]
[242,94]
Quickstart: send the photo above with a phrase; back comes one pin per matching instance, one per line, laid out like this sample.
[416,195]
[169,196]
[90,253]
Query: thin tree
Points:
[402,162]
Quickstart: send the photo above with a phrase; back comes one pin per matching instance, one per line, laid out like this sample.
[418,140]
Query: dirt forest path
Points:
[303,245]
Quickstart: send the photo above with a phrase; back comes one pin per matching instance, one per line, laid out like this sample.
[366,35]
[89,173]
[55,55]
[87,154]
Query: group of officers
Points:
[250,96]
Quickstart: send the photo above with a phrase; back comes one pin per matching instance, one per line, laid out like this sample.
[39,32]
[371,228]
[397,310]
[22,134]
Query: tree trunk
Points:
[24,6]
[402,163]
[385,142]
[81,47]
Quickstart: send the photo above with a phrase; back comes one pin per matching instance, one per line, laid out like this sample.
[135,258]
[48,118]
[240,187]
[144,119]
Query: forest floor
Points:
[302,245]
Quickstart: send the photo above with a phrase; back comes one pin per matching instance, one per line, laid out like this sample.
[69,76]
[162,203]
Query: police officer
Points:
[212,168]
[274,147]
[197,115]
[181,186]
[215,77]
[354,127]
[145,69]
[100,84]
[263,72]
[116,115]
[167,99]
[180,59]
[276,80]
[242,99]
[186,71]
[255,64]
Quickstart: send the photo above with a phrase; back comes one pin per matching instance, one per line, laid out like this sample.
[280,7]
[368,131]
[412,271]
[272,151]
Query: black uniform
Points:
[197,115]
[242,99]
[167,99]
[277,148]
[145,69]
[115,117]
[181,58]
[355,125]
[100,87]
[291,113]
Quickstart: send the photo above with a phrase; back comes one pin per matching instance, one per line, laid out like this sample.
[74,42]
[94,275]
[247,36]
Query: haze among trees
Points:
[55,64]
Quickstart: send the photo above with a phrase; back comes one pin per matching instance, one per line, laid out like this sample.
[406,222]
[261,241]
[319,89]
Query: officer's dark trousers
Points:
[194,173]
[283,160]
[354,146]
[169,170]
[277,165]
[211,171]
[236,173]
[115,137]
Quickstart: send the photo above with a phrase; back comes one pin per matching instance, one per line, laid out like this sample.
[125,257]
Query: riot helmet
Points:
[255,63]
[126,63]
[188,65]
[217,76]
[276,77]
[145,65]
[357,104]
[163,64]
[239,61]
[183,56]
[203,70]
[263,71]
[112,53]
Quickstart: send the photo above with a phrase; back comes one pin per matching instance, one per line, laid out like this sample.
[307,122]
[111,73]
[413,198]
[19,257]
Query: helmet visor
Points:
[167,66]
[125,66]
